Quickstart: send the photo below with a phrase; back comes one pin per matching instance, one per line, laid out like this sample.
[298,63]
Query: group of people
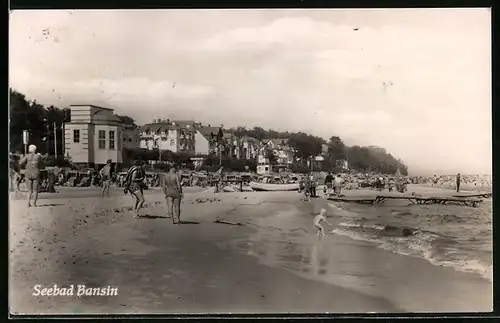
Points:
[307,185]
[454,181]
[135,183]
[333,184]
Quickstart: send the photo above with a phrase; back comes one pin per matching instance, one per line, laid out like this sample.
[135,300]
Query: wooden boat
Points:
[274,187]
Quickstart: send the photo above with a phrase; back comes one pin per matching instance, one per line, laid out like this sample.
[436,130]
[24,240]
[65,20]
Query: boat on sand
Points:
[274,187]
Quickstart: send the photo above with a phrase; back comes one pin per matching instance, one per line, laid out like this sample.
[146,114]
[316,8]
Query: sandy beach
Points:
[273,264]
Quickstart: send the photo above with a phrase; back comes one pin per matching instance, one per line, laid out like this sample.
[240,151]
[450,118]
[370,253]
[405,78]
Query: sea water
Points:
[454,236]
[445,235]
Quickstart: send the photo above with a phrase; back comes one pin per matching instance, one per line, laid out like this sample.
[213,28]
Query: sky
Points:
[414,81]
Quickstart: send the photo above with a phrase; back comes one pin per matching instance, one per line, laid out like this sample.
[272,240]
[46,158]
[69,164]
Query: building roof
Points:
[153,127]
[276,141]
[184,123]
[250,139]
[170,125]
[89,105]
[108,117]
[208,132]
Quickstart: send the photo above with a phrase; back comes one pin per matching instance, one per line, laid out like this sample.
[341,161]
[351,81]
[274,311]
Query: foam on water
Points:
[438,249]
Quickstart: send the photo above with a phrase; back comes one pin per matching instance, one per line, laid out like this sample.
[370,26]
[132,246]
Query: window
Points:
[76,135]
[102,139]
[111,139]
[129,139]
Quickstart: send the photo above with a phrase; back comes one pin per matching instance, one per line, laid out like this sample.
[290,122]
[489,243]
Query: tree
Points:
[270,155]
[336,149]
[258,133]
[38,120]
[307,146]
[127,120]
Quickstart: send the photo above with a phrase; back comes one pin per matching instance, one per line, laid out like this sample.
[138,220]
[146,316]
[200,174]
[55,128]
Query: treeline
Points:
[39,120]
[365,159]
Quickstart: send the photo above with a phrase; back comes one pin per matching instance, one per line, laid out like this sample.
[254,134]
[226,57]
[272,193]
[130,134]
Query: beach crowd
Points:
[135,180]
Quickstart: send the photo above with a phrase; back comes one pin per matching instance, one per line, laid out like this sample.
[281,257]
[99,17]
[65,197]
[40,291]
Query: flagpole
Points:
[55,140]
[220,155]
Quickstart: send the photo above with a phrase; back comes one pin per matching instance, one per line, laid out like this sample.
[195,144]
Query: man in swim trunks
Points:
[317,222]
[135,184]
[106,173]
[172,188]
[307,188]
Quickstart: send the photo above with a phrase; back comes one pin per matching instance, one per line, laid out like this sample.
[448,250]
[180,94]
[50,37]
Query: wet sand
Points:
[159,267]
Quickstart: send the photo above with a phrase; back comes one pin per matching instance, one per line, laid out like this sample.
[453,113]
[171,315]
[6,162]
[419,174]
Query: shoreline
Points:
[184,262]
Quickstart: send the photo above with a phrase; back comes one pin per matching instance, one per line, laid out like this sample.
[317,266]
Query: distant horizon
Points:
[392,78]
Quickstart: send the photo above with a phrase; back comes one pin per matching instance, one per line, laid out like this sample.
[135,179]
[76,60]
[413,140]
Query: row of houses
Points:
[95,134]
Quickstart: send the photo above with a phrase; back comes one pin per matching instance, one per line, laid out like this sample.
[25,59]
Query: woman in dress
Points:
[33,162]
[172,188]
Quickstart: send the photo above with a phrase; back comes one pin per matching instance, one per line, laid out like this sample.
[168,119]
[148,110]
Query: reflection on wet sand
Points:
[306,255]
[319,262]
[288,253]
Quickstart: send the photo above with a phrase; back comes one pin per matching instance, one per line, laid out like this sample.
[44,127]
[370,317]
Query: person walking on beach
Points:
[134,183]
[317,222]
[338,185]
[313,184]
[33,162]
[458,182]
[307,188]
[328,183]
[106,173]
[172,188]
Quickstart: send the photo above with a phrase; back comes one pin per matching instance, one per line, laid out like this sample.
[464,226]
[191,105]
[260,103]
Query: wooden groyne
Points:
[413,199]
[483,195]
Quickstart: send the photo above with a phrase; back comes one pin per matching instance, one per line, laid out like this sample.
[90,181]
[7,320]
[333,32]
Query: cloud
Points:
[416,82]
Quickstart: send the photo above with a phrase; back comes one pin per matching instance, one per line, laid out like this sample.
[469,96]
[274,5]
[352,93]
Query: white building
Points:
[283,152]
[176,136]
[93,135]
[205,142]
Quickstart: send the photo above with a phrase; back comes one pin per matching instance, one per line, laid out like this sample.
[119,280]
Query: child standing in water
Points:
[317,222]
